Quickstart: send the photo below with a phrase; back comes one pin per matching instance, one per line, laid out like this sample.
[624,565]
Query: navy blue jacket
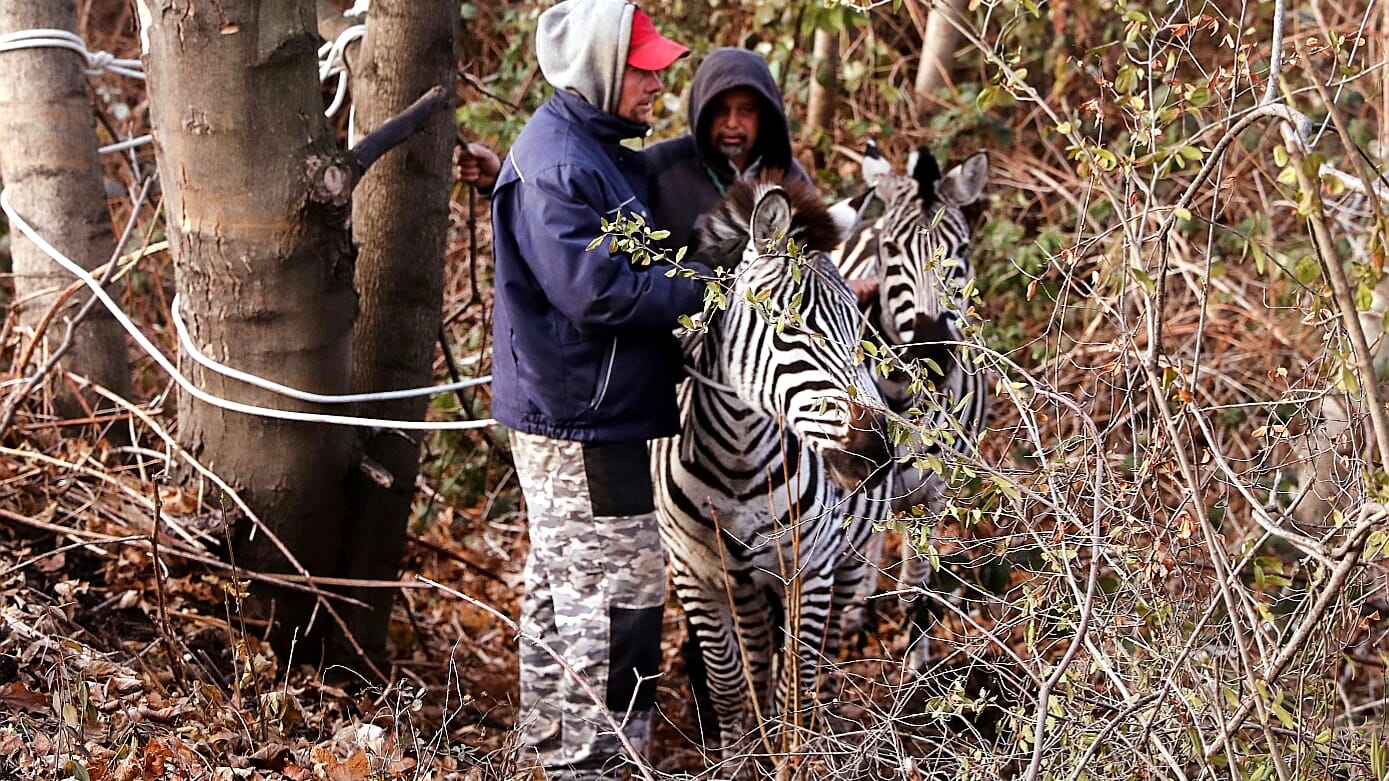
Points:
[582,343]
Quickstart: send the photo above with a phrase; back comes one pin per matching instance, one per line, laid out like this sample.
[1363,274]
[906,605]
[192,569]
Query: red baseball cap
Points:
[649,50]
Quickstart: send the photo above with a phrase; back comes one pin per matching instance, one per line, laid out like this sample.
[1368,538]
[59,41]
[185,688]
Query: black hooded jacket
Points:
[688,176]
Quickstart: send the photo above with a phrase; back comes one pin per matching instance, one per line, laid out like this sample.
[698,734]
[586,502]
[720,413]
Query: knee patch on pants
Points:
[634,657]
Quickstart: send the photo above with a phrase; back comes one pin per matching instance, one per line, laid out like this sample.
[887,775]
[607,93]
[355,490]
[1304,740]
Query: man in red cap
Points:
[584,374]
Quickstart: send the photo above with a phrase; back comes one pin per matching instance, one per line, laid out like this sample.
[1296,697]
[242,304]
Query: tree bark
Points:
[52,173]
[257,197]
[938,45]
[824,88]
[400,222]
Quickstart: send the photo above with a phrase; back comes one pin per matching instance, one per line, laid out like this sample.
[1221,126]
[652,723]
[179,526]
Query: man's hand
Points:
[478,165]
[863,289]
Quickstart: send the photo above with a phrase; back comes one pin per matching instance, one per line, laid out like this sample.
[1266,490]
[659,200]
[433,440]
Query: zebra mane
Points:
[725,233]
[926,171]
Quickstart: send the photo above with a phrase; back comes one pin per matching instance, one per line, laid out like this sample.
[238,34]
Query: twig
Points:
[395,130]
[415,539]
[1348,554]
[32,560]
[322,597]
[281,580]
[175,658]
[1087,606]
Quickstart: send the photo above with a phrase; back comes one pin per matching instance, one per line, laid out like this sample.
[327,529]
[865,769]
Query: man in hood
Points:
[737,128]
[584,372]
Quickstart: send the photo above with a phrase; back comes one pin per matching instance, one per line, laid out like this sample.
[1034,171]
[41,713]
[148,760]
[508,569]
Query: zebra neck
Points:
[729,443]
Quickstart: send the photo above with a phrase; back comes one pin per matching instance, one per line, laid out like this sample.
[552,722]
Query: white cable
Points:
[97,62]
[358,9]
[129,143]
[332,61]
[284,390]
[198,393]
[339,96]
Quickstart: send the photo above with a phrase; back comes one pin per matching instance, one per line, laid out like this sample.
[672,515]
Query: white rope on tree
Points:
[358,9]
[332,62]
[20,224]
[98,62]
[186,340]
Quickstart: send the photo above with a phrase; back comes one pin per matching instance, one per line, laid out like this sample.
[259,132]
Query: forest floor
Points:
[123,659]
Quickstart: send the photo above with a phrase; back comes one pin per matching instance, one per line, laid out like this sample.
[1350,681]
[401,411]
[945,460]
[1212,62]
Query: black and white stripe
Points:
[782,439]
[909,233]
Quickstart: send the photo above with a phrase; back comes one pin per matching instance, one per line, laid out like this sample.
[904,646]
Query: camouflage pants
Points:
[595,590]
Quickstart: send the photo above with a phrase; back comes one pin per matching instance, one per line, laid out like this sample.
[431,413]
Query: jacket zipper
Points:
[607,377]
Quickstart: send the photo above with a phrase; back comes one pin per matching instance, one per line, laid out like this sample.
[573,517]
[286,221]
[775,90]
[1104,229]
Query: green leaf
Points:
[1364,297]
[1280,712]
[1143,278]
[1007,487]
[1126,80]
[1307,270]
[1379,757]
[593,245]
[1260,259]
[987,98]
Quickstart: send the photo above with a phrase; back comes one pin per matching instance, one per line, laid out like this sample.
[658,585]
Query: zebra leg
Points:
[711,623]
[701,710]
[855,581]
[921,615]
[816,640]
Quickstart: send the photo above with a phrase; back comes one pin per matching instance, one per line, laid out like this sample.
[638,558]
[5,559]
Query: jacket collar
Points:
[604,126]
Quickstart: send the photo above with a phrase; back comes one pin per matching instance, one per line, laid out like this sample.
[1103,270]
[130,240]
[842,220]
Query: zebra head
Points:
[918,250]
[787,346]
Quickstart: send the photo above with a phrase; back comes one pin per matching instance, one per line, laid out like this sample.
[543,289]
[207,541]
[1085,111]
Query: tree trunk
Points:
[824,88]
[51,171]
[938,45]
[257,196]
[400,222]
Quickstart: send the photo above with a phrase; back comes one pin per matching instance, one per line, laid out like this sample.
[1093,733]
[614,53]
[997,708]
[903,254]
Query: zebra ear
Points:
[874,165]
[964,184]
[771,217]
[845,216]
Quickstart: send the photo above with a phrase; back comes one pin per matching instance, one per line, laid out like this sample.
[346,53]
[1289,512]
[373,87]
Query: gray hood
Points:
[582,48]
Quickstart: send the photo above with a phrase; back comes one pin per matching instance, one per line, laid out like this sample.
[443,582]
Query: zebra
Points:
[917,250]
[782,439]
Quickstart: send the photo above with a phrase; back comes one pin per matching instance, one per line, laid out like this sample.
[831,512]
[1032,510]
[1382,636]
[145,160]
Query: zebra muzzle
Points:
[862,457]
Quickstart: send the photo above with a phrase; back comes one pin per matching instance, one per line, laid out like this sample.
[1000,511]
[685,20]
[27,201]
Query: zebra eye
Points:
[889,248]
